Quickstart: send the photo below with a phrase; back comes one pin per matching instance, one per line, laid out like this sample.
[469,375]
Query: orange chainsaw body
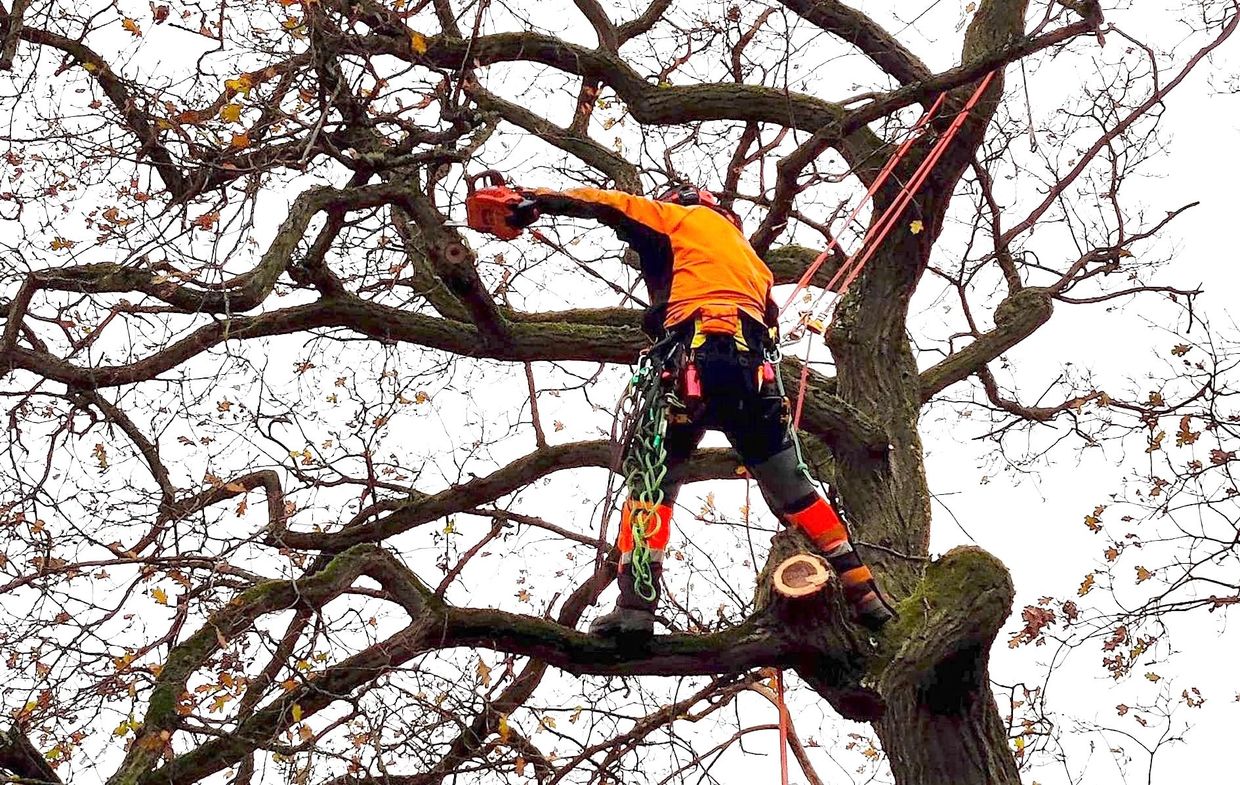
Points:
[489,209]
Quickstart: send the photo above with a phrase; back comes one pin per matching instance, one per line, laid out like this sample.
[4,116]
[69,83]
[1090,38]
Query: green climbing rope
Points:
[645,463]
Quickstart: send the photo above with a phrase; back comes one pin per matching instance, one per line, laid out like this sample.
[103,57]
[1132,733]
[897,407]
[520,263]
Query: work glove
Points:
[524,212]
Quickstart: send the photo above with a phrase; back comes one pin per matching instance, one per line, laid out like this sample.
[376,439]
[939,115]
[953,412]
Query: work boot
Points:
[633,616]
[860,591]
[870,609]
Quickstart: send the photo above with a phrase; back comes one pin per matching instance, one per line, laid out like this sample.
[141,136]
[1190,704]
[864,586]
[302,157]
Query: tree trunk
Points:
[941,724]
[934,738]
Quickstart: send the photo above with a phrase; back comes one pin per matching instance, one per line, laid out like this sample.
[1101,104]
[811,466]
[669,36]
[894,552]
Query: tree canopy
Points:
[308,481]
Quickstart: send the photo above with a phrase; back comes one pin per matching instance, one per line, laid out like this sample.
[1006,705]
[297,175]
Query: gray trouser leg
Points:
[784,486]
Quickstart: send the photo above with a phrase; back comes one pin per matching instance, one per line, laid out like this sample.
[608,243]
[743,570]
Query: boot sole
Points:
[629,630]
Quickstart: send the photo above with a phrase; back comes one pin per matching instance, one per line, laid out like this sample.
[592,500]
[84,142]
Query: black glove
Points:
[524,212]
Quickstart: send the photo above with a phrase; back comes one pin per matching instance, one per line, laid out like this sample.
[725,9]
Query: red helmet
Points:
[690,195]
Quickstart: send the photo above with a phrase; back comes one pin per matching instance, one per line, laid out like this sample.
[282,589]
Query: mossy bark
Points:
[940,723]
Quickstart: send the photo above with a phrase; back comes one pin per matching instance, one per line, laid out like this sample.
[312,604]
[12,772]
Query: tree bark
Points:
[23,759]
[941,723]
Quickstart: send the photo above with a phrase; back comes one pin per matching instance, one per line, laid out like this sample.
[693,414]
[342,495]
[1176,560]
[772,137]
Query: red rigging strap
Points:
[883,174]
[783,727]
[879,229]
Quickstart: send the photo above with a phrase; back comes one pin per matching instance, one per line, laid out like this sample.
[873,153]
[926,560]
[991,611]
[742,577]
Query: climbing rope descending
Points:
[783,727]
[848,272]
[644,464]
[879,229]
[914,134]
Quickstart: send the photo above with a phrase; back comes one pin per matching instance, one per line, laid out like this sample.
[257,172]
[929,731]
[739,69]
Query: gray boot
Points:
[633,616]
[872,609]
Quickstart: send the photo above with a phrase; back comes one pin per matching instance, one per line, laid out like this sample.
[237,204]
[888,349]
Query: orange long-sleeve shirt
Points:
[694,260]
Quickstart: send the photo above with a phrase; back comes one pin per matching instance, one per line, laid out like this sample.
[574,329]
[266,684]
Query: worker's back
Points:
[714,268]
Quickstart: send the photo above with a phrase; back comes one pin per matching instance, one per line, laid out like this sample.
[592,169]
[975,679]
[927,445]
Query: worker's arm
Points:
[622,211]
[645,224]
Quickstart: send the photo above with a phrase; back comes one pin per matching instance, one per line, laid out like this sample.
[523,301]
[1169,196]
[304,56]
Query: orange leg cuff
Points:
[820,522]
[657,521]
[857,577]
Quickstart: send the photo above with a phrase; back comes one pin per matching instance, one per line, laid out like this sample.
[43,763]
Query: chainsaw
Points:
[497,209]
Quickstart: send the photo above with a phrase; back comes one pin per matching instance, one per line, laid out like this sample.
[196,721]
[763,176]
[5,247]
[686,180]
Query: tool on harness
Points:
[691,385]
[766,373]
[497,209]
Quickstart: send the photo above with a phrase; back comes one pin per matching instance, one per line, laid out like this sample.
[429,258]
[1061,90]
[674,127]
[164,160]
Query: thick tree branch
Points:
[150,143]
[853,26]
[242,293]
[229,622]
[455,264]
[402,515]
[1016,318]
[647,102]
[531,340]
[827,416]
[788,263]
[957,608]
[19,756]
[642,24]
[601,23]
[12,33]
[623,173]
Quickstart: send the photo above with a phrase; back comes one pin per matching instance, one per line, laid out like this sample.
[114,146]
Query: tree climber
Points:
[712,315]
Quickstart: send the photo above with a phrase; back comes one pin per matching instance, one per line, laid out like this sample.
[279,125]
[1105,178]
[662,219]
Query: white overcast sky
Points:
[1035,526]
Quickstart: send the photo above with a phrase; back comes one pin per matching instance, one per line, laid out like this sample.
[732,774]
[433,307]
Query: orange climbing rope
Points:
[889,218]
[878,231]
[848,273]
[883,174]
[783,727]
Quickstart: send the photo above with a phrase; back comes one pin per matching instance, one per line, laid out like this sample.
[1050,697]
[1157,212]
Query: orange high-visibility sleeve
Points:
[612,206]
[693,258]
[662,217]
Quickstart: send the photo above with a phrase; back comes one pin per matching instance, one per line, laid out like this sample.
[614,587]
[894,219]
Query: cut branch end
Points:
[801,575]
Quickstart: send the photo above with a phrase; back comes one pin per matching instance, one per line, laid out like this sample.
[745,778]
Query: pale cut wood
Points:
[801,575]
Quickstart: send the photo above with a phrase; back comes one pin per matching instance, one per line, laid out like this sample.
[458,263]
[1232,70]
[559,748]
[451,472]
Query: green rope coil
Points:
[645,466]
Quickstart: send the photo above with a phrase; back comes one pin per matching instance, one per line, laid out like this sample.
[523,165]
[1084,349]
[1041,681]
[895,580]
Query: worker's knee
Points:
[784,485]
[671,487]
